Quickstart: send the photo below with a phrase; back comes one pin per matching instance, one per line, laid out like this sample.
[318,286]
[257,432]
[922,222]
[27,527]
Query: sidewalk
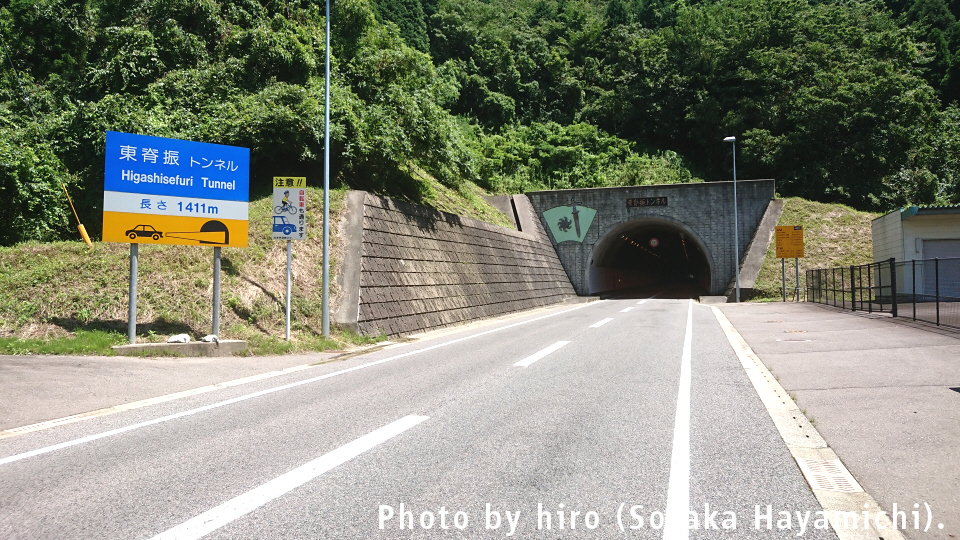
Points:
[884,393]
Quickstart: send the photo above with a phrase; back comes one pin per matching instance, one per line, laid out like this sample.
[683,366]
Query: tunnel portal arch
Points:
[585,227]
[651,255]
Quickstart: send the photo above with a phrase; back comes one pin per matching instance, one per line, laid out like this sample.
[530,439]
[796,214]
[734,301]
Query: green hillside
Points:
[438,102]
[833,235]
[843,102]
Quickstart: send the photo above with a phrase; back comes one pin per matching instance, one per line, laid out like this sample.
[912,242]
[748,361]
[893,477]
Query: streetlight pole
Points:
[325,296]
[736,223]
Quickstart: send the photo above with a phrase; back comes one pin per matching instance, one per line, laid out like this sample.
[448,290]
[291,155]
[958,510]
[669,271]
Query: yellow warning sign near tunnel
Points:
[789,241]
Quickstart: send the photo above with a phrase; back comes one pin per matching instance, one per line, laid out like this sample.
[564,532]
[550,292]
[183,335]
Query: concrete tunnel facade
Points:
[676,239]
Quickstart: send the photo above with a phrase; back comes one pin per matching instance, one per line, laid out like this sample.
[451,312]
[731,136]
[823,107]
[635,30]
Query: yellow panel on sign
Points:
[289,181]
[789,242]
[131,228]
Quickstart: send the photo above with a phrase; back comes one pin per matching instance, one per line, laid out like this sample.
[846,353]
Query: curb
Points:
[832,484]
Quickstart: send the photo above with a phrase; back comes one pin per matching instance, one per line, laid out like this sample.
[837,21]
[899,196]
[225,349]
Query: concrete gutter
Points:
[504,204]
[752,260]
[347,312]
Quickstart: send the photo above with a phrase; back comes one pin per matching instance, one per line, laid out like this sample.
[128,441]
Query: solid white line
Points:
[598,324]
[215,518]
[536,356]
[624,310]
[238,399]
[675,525]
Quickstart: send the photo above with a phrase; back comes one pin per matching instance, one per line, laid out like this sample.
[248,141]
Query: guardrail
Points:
[925,290]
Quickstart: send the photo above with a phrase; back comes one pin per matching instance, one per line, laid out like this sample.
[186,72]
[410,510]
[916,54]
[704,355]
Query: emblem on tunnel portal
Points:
[569,223]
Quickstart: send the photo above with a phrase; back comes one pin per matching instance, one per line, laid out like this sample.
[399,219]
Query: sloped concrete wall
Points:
[420,268]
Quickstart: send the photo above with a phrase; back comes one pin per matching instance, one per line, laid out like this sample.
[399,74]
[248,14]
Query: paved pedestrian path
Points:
[883,392]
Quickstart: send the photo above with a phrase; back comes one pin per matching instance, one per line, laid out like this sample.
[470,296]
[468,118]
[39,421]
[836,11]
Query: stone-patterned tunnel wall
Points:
[422,269]
[703,209]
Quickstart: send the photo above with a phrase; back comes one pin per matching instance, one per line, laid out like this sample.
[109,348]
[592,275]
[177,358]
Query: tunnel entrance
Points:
[649,257]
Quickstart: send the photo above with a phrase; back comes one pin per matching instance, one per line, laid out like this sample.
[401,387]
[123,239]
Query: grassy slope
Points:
[66,298]
[833,235]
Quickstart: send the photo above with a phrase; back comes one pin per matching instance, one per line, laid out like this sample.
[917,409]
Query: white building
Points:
[915,233]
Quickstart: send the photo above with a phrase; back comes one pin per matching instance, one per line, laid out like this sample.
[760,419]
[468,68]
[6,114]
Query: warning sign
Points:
[789,242]
[289,208]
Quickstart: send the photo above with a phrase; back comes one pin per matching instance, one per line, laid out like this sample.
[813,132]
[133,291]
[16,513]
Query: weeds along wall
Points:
[409,268]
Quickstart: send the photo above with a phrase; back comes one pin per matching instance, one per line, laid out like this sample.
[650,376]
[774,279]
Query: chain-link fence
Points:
[924,290]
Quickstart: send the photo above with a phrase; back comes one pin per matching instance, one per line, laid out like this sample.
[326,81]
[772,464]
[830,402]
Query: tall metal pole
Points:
[326,187]
[289,260]
[736,223]
[216,292]
[132,309]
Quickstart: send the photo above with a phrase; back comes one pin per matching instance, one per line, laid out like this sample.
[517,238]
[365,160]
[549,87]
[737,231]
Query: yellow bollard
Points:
[83,231]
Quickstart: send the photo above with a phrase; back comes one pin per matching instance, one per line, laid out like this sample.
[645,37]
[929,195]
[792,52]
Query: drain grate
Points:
[828,475]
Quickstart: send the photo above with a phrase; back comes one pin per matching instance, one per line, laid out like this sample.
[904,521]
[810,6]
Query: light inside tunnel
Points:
[647,257]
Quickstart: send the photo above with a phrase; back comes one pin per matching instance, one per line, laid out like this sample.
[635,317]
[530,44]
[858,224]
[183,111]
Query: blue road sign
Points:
[160,166]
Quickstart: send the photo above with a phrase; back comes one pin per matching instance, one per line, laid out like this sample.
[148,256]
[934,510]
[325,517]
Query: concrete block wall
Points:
[704,209]
[417,269]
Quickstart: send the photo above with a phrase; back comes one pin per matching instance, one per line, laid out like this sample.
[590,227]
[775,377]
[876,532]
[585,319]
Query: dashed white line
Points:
[215,518]
[625,310]
[641,302]
[598,324]
[675,526]
[540,354]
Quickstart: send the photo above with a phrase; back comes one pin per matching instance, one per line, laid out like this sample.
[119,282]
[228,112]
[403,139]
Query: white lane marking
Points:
[624,310]
[675,526]
[538,355]
[598,324]
[215,518]
[238,399]
[641,302]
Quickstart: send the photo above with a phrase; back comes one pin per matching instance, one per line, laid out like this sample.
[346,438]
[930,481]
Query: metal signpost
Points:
[289,219]
[789,244]
[170,191]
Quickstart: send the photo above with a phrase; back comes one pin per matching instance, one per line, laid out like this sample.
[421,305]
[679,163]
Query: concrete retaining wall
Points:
[410,268]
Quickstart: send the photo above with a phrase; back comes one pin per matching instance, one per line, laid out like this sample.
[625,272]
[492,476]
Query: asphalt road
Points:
[621,415]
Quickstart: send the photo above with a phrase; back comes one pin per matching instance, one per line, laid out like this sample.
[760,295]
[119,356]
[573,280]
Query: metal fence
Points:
[923,290]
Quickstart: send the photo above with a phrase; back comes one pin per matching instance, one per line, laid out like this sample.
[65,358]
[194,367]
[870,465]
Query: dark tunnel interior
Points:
[649,257]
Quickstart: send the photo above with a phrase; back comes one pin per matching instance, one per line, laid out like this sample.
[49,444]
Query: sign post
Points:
[289,220]
[789,245]
[171,191]
[132,303]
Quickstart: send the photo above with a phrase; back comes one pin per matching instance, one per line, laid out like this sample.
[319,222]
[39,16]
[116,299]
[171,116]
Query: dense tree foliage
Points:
[841,101]
[246,73]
